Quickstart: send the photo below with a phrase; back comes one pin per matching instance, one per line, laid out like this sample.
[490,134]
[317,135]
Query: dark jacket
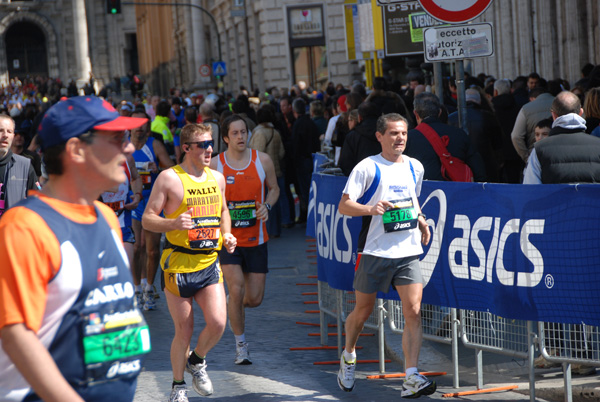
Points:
[305,139]
[459,146]
[486,135]
[17,176]
[506,111]
[569,156]
[359,144]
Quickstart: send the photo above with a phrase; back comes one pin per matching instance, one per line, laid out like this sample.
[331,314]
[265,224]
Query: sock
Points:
[144,282]
[148,287]
[349,357]
[175,382]
[410,371]
[195,359]
[138,288]
[240,338]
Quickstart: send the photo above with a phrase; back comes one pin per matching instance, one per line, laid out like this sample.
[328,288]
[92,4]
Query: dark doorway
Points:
[131,53]
[26,50]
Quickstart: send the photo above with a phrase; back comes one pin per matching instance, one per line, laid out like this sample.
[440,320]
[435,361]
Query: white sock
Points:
[349,357]
[144,282]
[138,288]
[148,287]
[240,338]
[410,371]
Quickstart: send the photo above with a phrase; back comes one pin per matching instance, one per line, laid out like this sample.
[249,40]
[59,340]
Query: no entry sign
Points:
[455,11]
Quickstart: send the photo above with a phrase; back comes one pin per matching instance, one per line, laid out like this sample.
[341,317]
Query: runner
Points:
[197,225]
[246,171]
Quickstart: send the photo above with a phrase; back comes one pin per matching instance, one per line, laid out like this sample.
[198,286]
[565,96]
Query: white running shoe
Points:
[149,303]
[416,385]
[242,356]
[346,374]
[139,299]
[178,394]
[200,382]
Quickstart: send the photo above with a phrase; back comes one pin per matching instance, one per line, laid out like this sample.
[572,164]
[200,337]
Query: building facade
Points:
[263,43]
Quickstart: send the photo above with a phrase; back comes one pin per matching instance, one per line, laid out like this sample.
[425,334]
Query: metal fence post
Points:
[455,380]
[381,334]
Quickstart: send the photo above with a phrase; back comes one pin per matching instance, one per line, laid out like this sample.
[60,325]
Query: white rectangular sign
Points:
[458,42]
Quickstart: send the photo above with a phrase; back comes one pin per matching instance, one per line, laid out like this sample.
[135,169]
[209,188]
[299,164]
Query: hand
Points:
[262,212]
[229,242]
[135,200]
[381,207]
[184,221]
[425,232]
[152,167]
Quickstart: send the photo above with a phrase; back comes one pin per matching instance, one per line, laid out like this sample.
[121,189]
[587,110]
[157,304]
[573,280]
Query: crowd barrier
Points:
[502,258]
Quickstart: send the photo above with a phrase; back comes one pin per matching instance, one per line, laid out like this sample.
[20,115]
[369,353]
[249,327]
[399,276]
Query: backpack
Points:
[453,169]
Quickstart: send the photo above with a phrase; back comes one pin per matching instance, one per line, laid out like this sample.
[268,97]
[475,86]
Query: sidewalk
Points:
[280,374]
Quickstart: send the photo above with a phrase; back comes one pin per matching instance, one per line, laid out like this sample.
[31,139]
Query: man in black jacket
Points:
[305,141]
[427,109]
[361,142]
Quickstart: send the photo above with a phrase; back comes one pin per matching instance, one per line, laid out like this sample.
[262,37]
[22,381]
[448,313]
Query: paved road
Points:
[279,374]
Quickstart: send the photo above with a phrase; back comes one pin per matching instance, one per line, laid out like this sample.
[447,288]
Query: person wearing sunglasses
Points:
[248,173]
[197,225]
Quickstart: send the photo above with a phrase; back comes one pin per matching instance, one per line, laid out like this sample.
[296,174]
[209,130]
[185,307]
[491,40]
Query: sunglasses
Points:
[202,144]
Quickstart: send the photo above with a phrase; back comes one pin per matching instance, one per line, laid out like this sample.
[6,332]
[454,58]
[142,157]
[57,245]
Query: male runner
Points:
[118,200]
[149,155]
[197,225]
[383,189]
[69,328]
[246,171]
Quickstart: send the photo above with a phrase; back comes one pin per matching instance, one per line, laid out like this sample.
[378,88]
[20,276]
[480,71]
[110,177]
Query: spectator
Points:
[506,112]
[591,110]
[361,142]
[427,109]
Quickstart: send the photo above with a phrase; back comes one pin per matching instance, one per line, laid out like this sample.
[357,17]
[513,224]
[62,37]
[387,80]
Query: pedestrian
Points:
[383,189]
[69,325]
[248,174]
[17,174]
[197,225]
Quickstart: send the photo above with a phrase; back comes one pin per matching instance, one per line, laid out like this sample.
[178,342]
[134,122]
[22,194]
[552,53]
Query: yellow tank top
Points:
[204,201]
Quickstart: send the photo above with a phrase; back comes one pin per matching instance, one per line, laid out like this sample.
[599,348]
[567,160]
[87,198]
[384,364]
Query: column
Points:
[80,36]
[199,55]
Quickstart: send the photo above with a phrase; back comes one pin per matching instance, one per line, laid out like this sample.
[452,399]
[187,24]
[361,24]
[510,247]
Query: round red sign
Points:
[455,11]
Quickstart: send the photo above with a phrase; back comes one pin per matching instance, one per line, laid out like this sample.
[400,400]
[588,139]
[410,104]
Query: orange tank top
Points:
[244,189]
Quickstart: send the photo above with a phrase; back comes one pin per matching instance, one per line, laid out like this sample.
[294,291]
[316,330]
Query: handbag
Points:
[453,169]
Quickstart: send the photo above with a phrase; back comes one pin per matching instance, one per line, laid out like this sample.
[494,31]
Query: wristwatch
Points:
[423,215]
[268,206]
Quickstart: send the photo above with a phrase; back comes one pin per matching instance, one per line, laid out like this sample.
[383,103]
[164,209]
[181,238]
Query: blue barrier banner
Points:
[318,160]
[518,251]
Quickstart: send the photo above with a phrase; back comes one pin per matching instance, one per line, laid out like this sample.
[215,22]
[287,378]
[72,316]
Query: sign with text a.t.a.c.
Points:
[458,42]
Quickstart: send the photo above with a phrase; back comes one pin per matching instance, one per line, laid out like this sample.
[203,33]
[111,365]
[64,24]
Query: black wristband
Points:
[423,215]
[268,206]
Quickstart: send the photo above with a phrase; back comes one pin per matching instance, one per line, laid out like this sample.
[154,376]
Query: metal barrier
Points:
[569,344]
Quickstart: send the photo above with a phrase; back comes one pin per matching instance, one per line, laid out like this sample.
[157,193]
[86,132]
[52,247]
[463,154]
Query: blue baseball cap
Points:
[78,115]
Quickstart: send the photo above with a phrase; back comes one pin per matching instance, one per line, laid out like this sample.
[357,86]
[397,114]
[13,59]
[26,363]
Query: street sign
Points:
[403,25]
[204,70]
[458,42]
[455,11]
[219,68]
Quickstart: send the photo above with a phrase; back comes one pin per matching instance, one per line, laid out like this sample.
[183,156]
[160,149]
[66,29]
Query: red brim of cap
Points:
[122,123]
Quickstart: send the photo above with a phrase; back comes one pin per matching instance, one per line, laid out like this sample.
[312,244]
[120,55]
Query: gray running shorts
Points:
[377,274]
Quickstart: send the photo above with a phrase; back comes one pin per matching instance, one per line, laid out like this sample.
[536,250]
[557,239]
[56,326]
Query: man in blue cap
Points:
[69,325]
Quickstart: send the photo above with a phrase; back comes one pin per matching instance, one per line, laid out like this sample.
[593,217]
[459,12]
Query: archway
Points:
[26,50]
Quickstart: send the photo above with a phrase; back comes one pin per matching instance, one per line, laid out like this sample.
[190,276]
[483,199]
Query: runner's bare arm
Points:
[136,184]
[36,365]
[353,208]
[229,240]
[151,220]
[164,160]
[261,211]
[423,226]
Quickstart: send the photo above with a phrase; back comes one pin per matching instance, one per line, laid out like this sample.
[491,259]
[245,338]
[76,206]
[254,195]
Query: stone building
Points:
[264,43]
[67,39]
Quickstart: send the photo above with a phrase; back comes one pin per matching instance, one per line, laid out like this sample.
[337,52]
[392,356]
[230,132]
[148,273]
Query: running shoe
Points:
[416,385]
[178,394]
[149,303]
[201,382]
[346,374]
[139,299]
[242,356]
